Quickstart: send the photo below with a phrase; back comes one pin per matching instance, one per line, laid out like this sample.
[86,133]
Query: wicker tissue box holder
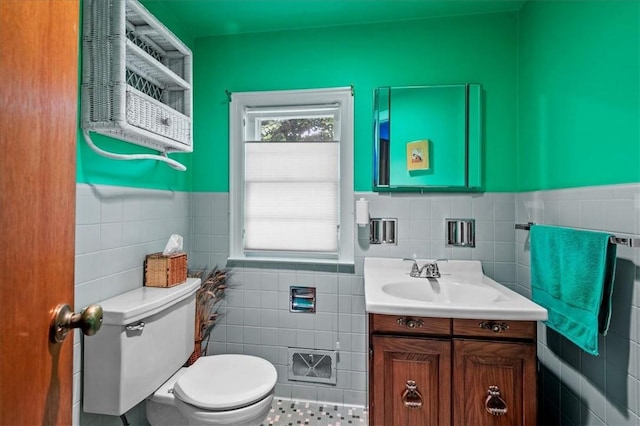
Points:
[165,270]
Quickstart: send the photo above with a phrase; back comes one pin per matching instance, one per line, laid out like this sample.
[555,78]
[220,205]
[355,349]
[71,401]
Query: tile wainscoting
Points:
[117,227]
[577,388]
[256,318]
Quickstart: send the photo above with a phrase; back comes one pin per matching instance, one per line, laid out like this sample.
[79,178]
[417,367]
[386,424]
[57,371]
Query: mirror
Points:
[428,137]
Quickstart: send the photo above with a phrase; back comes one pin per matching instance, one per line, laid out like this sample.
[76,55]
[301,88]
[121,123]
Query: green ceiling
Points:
[202,18]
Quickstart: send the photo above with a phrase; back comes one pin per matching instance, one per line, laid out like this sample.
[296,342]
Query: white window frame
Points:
[237,107]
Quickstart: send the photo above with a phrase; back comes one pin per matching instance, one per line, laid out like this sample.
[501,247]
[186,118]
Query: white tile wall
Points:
[577,388]
[256,317]
[421,229]
[115,228]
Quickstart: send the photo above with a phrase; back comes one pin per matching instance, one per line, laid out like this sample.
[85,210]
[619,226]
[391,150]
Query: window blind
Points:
[291,196]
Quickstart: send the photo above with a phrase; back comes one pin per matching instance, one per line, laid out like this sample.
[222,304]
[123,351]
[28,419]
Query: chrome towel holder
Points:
[624,241]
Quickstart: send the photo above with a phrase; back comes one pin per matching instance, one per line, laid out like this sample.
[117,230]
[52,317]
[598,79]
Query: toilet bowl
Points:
[215,390]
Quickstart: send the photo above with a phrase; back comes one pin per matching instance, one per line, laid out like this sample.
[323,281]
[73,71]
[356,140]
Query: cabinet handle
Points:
[410,322]
[494,404]
[411,396]
[496,327]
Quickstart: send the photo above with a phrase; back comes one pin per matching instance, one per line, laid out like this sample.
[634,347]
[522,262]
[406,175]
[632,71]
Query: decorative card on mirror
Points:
[418,155]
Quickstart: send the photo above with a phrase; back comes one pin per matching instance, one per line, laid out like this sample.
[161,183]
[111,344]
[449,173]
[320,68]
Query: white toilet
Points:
[146,336]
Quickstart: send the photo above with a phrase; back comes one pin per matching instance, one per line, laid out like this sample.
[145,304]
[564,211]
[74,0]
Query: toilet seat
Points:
[226,382]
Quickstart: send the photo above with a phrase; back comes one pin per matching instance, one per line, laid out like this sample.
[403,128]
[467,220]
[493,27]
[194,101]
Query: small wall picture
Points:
[418,155]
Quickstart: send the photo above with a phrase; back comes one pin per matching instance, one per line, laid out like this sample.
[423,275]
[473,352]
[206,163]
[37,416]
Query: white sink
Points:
[462,291]
[441,291]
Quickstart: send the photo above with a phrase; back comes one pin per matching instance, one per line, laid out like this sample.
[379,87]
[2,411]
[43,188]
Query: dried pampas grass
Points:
[211,291]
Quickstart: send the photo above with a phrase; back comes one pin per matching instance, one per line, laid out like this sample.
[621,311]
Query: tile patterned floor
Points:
[292,413]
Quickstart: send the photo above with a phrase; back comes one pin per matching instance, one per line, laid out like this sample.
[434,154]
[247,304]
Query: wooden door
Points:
[510,366]
[38,115]
[399,363]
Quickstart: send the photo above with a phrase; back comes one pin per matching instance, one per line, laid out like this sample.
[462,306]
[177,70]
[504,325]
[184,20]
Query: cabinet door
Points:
[506,370]
[411,381]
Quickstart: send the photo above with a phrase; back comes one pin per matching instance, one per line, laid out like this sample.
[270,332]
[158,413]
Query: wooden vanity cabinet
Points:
[414,387]
[479,364]
[441,371]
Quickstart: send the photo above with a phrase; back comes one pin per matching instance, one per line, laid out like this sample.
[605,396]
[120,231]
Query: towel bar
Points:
[624,241]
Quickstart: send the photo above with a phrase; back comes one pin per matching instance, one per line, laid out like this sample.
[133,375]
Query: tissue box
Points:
[165,270]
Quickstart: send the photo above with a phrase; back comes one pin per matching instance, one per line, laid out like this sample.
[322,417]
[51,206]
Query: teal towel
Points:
[572,273]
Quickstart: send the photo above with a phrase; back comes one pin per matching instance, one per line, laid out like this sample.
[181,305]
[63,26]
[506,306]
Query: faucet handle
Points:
[415,270]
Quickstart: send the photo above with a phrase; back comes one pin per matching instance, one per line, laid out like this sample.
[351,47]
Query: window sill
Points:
[249,260]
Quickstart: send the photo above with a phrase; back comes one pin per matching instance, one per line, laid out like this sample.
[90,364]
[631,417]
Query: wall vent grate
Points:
[312,365]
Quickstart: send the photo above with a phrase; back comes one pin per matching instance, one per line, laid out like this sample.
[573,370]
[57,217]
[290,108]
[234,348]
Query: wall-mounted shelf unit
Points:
[136,77]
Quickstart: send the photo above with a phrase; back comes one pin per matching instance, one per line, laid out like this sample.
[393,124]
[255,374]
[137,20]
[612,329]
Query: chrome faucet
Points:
[431,269]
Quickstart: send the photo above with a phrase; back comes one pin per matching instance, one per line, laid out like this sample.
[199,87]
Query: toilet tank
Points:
[147,334]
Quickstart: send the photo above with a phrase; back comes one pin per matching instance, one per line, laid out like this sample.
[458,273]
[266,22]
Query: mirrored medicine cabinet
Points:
[428,138]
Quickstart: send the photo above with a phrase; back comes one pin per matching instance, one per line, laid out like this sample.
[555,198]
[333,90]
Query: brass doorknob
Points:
[64,320]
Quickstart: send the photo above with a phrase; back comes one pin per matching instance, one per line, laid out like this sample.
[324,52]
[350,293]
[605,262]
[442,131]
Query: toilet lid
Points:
[225,382]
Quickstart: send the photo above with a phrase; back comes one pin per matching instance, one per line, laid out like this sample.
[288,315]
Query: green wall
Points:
[579,91]
[475,49]
[560,78]
[94,169]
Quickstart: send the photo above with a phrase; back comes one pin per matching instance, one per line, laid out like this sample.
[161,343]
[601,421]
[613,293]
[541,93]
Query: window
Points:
[291,176]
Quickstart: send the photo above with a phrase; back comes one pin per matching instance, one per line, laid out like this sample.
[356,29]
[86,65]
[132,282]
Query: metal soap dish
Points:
[461,232]
[383,231]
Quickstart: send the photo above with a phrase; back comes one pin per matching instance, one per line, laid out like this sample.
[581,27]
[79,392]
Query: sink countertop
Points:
[462,291]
